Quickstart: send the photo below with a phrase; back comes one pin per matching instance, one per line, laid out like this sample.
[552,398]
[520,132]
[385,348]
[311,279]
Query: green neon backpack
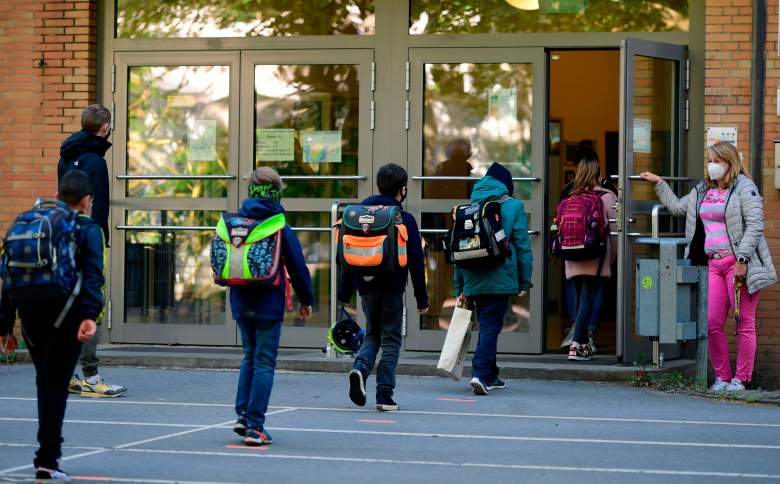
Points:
[246,252]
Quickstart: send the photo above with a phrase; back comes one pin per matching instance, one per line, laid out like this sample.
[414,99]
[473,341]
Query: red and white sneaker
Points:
[579,352]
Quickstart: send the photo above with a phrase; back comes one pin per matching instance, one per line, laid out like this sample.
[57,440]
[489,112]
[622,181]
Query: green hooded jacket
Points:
[515,274]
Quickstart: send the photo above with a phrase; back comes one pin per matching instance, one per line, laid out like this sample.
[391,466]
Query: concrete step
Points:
[537,367]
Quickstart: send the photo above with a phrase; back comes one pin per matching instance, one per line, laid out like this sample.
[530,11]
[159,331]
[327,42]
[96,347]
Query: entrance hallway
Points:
[176,426]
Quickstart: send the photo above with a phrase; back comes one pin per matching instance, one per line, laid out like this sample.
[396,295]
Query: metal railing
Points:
[472,178]
[175,177]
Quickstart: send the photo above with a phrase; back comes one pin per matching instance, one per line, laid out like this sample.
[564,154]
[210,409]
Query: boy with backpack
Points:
[58,292]
[491,284]
[381,279]
[249,253]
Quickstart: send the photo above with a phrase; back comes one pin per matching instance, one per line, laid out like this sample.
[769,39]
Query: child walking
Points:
[54,347]
[259,311]
[383,300]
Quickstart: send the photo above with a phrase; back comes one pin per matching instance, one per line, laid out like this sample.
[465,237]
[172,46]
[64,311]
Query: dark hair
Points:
[74,186]
[94,117]
[586,151]
[390,179]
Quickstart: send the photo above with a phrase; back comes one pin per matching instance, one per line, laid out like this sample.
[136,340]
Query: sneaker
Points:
[478,387]
[579,352]
[736,385]
[96,387]
[719,385]
[256,437]
[568,338]
[240,427]
[592,343]
[44,474]
[496,384]
[74,386]
[357,387]
[385,403]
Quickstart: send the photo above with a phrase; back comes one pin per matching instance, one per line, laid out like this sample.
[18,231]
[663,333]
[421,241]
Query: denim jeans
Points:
[384,312]
[595,312]
[586,288]
[88,358]
[491,310]
[260,340]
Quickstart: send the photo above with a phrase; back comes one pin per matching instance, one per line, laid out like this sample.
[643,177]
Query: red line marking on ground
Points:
[92,478]
[247,447]
[376,421]
[460,400]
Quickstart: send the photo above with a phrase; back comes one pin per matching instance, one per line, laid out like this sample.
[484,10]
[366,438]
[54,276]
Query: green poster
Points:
[274,144]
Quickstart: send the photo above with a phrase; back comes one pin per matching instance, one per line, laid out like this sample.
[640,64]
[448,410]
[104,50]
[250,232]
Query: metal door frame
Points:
[627,346]
[432,340]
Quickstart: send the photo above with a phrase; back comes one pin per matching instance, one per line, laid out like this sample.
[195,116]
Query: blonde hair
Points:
[727,152]
[588,175]
[264,175]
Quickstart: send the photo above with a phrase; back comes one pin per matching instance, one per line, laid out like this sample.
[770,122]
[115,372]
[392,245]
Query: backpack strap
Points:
[69,303]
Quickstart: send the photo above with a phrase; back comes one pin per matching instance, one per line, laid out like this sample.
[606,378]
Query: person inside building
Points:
[588,276]
[85,150]
[724,225]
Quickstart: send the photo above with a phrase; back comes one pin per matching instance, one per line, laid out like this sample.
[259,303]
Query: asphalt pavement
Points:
[175,426]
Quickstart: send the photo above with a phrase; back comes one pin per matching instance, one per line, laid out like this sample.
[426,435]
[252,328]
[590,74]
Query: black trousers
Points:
[54,352]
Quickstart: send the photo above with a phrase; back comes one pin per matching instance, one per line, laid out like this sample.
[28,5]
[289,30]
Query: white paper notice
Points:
[642,135]
[503,104]
[274,144]
[321,146]
[202,140]
[718,134]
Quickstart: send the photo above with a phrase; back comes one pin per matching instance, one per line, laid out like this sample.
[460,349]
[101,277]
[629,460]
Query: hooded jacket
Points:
[744,226]
[267,303]
[91,257]
[395,282]
[515,274]
[84,150]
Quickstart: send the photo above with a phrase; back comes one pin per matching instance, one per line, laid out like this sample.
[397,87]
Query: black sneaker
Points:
[496,384]
[478,387]
[579,352]
[44,474]
[357,387]
[240,426]
[255,437]
[385,403]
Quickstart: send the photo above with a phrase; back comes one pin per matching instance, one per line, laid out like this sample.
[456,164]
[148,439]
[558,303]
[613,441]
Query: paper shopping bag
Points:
[456,345]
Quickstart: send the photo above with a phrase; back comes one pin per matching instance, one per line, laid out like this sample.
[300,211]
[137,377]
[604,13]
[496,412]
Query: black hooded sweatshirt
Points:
[84,150]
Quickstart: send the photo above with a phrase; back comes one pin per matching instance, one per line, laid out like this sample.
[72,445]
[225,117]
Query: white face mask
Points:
[715,171]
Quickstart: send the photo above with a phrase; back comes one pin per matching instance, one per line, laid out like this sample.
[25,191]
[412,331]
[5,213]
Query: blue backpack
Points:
[38,263]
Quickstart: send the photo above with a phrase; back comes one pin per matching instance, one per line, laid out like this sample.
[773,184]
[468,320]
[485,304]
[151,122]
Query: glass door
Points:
[175,165]
[471,107]
[307,114]
[652,98]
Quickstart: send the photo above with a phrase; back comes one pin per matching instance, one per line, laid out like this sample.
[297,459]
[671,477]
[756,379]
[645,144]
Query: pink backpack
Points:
[579,231]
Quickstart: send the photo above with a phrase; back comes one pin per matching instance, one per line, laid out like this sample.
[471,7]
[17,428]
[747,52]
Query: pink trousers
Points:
[721,299]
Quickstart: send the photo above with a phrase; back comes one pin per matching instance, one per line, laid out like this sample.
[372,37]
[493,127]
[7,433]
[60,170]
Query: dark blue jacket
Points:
[395,282]
[84,150]
[91,260]
[265,303]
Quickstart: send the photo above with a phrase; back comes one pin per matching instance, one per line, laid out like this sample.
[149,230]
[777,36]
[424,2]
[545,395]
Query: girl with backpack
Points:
[584,231]
[724,225]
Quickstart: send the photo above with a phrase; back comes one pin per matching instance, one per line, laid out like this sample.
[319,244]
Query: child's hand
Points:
[87,330]
[8,344]
[304,311]
[423,310]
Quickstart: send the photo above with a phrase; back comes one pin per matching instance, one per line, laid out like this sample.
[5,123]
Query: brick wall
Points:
[48,66]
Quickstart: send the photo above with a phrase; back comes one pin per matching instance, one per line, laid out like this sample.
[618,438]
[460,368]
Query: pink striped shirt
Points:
[713,216]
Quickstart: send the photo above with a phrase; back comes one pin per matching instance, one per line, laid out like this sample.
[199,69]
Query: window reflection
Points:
[177,124]
[168,276]
[506,16]
[307,124]
[476,114]
[243,18]
[316,252]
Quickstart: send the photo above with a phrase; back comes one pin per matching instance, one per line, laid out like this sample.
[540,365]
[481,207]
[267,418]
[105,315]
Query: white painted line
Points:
[438,413]
[528,439]
[71,457]
[69,447]
[170,436]
[664,472]
[104,422]
[26,478]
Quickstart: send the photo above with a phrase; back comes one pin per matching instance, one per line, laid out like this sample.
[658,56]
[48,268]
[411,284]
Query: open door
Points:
[653,99]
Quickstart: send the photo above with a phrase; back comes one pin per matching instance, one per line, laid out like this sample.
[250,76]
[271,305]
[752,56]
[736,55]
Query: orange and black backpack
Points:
[372,239]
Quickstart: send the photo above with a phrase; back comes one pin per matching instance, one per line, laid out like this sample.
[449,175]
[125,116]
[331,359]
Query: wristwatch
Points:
[743,260]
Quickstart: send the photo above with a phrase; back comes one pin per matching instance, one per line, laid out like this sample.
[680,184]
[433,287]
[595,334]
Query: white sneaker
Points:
[736,385]
[719,385]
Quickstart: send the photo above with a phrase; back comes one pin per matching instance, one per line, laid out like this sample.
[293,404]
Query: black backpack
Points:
[476,238]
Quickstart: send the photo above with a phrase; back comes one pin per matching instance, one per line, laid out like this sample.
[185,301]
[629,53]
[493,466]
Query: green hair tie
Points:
[265,190]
